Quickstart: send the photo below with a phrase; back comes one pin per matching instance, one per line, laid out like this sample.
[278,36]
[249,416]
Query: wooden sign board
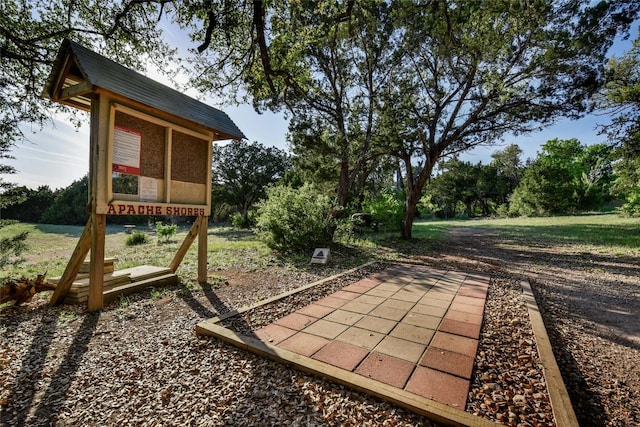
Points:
[153,166]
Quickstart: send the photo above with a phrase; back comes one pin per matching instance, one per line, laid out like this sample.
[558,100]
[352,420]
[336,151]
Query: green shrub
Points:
[137,238]
[294,219]
[387,209]
[166,231]
[239,221]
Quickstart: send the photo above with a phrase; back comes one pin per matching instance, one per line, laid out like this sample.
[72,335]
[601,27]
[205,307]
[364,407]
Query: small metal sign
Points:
[320,256]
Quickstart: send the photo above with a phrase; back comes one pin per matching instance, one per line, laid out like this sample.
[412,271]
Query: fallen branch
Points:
[24,289]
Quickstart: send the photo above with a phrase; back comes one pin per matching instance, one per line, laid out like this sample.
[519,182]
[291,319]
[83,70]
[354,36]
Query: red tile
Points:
[386,369]
[470,300]
[342,355]
[295,321]
[461,316]
[447,361]
[273,334]
[455,343]
[467,308]
[468,291]
[460,328]
[439,386]
[316,310]
[304,344]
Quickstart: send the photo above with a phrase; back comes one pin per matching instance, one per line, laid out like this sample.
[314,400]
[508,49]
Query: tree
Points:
[70,205]
[509,170]
[243,170]
[566,176]
[324,62]
[621,98]
[33,205]
[474,71]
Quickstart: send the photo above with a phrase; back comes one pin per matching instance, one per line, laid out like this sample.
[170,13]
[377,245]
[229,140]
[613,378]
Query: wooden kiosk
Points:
[150,154]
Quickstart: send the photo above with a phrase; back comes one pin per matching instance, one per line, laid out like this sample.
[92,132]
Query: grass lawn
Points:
[50,246]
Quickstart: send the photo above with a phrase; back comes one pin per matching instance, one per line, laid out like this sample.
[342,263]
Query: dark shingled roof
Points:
[100,72]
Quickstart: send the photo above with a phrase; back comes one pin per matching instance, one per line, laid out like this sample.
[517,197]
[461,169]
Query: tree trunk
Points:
[410,204]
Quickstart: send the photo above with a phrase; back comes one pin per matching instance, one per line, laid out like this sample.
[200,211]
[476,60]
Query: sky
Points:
[59,154]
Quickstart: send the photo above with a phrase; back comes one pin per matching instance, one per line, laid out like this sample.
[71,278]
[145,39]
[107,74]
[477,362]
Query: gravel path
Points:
[139,362]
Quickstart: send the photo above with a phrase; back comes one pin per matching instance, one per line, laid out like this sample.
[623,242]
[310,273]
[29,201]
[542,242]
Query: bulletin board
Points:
[156,167]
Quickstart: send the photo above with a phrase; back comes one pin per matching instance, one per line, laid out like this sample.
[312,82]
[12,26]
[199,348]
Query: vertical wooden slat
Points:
[202,249]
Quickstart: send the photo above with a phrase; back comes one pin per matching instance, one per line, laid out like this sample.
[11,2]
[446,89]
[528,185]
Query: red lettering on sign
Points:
[111,210]
[131,210]
[121,209]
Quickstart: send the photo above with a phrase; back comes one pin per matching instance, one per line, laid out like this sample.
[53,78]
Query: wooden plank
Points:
[186,244]
[167,279]
[563,411]
[96,274]
[73,266]
[431,409]
[202,249]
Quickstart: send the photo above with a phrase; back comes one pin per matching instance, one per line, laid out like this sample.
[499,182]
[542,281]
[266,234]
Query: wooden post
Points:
[96,266]
[202,249]
[98,171]
[73,266]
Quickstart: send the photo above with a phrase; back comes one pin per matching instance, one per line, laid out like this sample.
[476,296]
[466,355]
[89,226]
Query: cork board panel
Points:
[188,193]
[152,149]
[190,161]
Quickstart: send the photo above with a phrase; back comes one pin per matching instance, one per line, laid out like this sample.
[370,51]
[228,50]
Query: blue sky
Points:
[59,154]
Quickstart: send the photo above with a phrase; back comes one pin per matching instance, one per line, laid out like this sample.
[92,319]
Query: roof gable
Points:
[77,72]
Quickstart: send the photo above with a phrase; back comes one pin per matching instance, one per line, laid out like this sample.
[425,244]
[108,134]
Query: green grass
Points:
[50,246]
[606,232]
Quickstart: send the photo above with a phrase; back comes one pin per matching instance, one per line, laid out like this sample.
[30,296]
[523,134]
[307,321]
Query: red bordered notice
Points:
[126,150]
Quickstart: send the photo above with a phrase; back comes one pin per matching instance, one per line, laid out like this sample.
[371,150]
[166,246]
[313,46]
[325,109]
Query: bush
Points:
[137,238]
[239,221]
[294,219]
[166,231]
[387,209]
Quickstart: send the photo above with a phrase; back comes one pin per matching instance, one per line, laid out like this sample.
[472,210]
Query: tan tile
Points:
[429,310]
[376,324]
[413,333]
[407,296]
[388,312]
[380,292]
[358,307]
[427,300]
[304,344]
[349,296]
[441,295]
[402,349]
[390,286]
[273,334]
[396,303]
[332,302]
[370,299]
[470,300]
[422,320]
[326,329]
[344,317]
[316,310]
[360,337]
